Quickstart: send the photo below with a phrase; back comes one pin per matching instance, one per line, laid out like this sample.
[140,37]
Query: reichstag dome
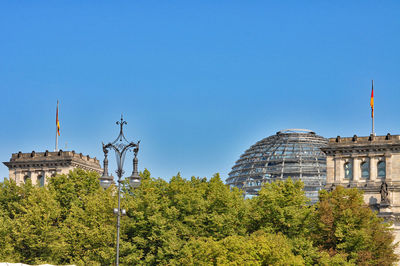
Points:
[293,153]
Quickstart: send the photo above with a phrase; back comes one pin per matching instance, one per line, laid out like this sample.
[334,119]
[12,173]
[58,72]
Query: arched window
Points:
[365,169]
[381,169]
[348,170]
[41,180]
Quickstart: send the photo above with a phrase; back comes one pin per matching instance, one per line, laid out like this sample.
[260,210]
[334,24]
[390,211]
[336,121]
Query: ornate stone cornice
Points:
[368,145]
[53,160]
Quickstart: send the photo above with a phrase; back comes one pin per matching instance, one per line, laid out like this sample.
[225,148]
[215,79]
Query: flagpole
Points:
[56,149]
[373,115]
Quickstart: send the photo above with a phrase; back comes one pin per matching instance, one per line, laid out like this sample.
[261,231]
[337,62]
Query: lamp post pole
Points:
[121,145]
[118,216]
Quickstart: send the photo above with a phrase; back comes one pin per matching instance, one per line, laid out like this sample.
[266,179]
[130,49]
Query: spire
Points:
[121,123]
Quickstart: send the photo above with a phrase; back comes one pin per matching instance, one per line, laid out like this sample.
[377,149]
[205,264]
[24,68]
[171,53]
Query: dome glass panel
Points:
[291,153]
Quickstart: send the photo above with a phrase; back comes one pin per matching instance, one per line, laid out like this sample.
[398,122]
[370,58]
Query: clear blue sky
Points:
[197,81]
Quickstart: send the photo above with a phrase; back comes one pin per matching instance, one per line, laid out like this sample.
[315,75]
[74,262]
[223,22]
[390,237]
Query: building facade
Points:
[39,166]
[371,164]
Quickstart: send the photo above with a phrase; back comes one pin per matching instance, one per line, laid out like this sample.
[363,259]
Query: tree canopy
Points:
[188,222]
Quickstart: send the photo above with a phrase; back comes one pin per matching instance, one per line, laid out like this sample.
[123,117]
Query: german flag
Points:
[57,121]
[372,100]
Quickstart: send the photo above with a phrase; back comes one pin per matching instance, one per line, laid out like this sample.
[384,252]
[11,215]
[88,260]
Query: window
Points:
[381,169]
[41,180]
[365,169]
[348,170]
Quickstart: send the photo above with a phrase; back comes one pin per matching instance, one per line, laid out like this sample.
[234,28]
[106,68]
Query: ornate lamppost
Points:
[121,145]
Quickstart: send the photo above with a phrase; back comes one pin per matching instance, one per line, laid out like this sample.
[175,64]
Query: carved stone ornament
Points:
[384,193]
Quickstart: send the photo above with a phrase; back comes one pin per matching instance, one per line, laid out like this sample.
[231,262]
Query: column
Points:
[356,170]
[338,169]
[373,170]
[18,177]
[388,159]
[330,170]
[45,172]
[33,175]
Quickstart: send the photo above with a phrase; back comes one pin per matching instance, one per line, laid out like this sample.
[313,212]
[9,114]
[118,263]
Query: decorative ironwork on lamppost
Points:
[121,145]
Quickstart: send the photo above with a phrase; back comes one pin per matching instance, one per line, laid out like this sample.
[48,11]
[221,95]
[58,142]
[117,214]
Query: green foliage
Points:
[259,248]
[344,224]
[281,207]
[89,230]
[187,222]
[7,252]
[61,223]
[164,216]
[35,232]
[336,260]
[70,189]
[28,218]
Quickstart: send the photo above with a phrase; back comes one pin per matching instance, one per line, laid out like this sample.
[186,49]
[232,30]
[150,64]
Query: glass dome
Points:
[293,153]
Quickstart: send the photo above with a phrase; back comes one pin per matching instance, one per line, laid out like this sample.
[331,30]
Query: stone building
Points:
[371,164]
[38,166]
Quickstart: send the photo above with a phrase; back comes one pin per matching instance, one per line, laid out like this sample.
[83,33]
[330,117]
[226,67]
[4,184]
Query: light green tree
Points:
[88,223]
[260,248]
[163,216]
[30,217]
[281,207]
[10,196]
[193,222]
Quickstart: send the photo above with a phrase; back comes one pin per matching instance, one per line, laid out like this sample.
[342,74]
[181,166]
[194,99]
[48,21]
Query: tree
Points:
[89,230]
[70,189]
[7,252]
[34,229]
[68,221]
[30,216]
[10,196]
[281,207]
[260,248]
[163,216]
[88,223]
[196,221]
[343,224]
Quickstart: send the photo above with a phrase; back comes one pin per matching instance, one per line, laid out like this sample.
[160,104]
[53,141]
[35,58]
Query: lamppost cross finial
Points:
[121,124]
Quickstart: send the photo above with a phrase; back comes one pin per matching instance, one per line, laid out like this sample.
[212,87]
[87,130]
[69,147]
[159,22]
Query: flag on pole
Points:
[372,100]
[57,121]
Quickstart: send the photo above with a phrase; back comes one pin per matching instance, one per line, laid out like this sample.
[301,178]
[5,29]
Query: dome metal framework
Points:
[293,153]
